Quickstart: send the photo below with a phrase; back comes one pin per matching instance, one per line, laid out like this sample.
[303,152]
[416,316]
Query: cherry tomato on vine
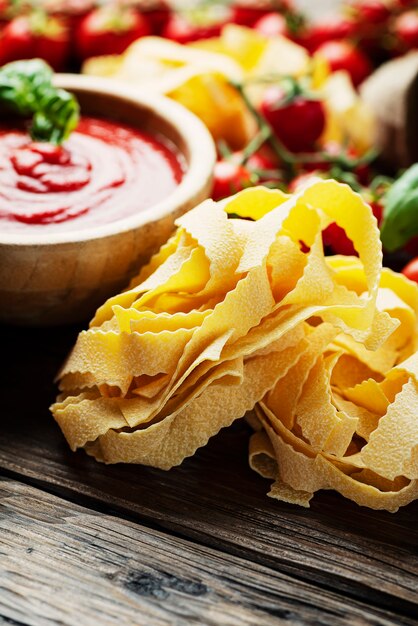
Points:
[229,178]
[109,30]
[347,159]
[405,30]
[247,14]
[369,11]
[411,270]
[334,149]
[261,160]
[5,6]
[272,25]
[157,15]
[403,4]
[343,55]
[183,30]
[332,27]
[298,121]
[36,35]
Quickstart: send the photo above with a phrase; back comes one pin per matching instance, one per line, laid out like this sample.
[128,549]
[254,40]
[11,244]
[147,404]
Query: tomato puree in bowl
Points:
[104,172]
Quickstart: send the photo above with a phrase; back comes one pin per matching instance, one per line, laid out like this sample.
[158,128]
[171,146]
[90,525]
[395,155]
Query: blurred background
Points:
[316,71]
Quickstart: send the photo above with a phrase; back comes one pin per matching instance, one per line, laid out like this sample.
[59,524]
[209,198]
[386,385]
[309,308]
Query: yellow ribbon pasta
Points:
[241,308]
[347,418]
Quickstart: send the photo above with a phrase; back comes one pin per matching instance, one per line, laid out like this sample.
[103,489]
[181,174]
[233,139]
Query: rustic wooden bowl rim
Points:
[197,140]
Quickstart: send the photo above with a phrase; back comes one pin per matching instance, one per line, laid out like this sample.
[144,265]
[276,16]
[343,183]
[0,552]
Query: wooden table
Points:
[86,544]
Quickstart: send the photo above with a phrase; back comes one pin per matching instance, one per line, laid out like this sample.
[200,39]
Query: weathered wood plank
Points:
[63,563]
[213,498]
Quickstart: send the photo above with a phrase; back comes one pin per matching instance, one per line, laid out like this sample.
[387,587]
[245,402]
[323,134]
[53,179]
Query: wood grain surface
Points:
[365,558]
[63,563]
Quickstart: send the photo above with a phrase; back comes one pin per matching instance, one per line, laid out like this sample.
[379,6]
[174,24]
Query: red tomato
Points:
[246,12]
[370,11]
[36,35]
[263,167]
[272,25]
[4,8]
[403,4]
[247,15]
[412,246]
[263,159]
[302,179]
[262,162]
[370,18]
[229,178]
[157,19]
[298,123]
[178,28]
[377,209]
[332,27]
[109,30]
[68,8]
[334,236]
[342,55]
[72,10]
[405,28]
[411,270]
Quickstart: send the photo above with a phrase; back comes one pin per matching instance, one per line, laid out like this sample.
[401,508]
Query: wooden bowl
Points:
[60,278]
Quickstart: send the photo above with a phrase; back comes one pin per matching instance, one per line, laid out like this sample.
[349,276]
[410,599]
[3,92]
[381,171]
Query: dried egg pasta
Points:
[246,311]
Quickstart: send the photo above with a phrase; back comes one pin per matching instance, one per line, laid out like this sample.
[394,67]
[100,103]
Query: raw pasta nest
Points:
[241,309]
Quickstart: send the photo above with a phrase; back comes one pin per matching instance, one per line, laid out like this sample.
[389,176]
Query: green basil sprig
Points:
[26,89]
[400,215]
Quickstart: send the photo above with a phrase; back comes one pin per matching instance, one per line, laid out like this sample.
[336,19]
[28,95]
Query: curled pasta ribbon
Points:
[230,306]
[346,418]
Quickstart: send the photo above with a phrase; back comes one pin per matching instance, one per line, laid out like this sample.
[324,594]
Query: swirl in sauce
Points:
[104,172]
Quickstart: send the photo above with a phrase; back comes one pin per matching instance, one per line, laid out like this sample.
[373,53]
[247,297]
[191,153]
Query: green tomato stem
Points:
[278,148]
[255,144]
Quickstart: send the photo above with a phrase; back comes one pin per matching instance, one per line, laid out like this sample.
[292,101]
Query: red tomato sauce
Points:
[104,172]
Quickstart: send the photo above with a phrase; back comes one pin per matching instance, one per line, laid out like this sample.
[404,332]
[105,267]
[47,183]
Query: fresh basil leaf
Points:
[400,215]
[26,89]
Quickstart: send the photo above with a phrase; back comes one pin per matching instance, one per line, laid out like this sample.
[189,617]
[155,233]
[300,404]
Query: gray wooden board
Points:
[62,563]
[213,498]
